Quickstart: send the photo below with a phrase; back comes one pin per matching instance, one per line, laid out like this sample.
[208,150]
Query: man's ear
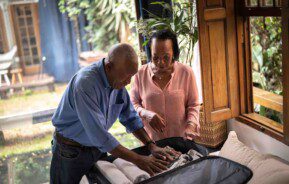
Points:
[109,66]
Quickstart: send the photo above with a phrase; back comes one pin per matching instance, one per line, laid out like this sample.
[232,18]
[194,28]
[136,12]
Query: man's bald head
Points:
[121,64]
[123,54]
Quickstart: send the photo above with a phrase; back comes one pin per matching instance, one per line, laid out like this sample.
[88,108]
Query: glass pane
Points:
[25,43]
[23,32]
[268,3]
[266,49]
[36,61]
[26,52]
[1,47]
[253,3]
[27,60]
[21,21]
[32,41]
[29,21]
[1,43]
[27,10]
[19,11]
[34,51]
[278,3]
[30,30]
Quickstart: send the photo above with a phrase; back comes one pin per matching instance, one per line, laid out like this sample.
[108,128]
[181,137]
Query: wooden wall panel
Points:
[218,47]
[214,3]
[218,63]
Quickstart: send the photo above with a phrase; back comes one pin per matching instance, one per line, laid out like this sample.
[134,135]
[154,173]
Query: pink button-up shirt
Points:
[177,103]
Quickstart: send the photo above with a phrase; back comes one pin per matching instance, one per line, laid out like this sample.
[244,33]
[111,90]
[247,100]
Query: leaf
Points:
[145,42]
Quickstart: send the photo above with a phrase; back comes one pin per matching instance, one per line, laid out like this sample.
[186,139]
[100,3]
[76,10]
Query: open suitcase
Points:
[205,170]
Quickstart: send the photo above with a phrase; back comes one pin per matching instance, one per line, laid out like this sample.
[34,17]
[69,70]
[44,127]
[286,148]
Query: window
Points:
[25,20]
[263,67]
[226,60]
[266,61]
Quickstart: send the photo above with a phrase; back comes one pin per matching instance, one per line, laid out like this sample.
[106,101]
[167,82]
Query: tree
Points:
[108,20]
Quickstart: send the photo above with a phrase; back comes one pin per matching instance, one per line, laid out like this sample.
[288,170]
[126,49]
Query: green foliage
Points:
[33,168]
[108,20]
[30,161]
[183,24]
[28,92]
[266,50]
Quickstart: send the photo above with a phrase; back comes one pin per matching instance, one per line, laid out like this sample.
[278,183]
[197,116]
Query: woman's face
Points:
[162,56]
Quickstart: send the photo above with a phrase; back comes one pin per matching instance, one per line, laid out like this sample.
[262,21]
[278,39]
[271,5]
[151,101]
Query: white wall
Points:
[258,140]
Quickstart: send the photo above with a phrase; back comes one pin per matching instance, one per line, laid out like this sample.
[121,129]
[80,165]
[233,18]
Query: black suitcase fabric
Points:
[206,170]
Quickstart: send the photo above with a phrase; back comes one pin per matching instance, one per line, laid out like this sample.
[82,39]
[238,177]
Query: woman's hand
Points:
[192,131]
[155,121]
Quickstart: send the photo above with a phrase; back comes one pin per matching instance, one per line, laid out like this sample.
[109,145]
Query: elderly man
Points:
[94,99]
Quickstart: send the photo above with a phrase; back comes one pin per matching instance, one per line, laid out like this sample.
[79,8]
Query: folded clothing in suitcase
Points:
[207,169]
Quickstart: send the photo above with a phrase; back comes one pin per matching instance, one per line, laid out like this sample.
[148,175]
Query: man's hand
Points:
[192,131]
[167,154]
[151,164]
[156,122]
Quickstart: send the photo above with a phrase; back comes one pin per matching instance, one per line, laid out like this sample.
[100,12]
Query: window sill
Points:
[262,124]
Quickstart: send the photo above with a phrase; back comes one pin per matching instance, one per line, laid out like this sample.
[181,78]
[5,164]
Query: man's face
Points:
[122,74]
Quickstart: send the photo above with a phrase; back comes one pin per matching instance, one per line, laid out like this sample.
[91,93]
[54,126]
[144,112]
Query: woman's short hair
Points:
[165,35]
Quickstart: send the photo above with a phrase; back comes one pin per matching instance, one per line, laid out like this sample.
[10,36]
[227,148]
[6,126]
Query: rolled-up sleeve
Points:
[129,117]
[136,99]
[93,121]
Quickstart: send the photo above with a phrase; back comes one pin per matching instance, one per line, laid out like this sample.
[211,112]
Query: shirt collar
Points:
[151,73]
[103,74]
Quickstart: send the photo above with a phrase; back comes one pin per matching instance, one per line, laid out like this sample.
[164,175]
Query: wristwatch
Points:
[150,142]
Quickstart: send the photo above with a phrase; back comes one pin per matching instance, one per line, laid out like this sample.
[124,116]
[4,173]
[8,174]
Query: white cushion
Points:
[266,168]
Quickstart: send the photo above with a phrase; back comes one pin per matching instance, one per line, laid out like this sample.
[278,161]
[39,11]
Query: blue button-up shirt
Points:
[89,107]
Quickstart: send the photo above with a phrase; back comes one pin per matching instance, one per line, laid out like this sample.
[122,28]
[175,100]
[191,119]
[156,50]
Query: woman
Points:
[164,92]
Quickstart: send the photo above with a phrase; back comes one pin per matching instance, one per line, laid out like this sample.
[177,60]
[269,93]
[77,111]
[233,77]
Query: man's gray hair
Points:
[122,50]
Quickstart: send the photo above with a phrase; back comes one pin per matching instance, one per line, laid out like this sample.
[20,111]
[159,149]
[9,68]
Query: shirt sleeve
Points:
[93,121]
[193,105]
[136,99]
[129,117]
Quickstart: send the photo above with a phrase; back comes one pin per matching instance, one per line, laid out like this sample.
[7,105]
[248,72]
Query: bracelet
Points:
[191,123]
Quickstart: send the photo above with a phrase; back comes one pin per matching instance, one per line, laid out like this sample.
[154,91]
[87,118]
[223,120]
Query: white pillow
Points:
[266,168]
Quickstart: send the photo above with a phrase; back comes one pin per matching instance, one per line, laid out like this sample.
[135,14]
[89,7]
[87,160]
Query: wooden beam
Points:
[20,120]
[268,99]
[260,11]
[285,66]
[215,14]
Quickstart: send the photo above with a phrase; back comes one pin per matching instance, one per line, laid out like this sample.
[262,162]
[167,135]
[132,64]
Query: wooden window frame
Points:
[34,68]
[247,10]
[248,117]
